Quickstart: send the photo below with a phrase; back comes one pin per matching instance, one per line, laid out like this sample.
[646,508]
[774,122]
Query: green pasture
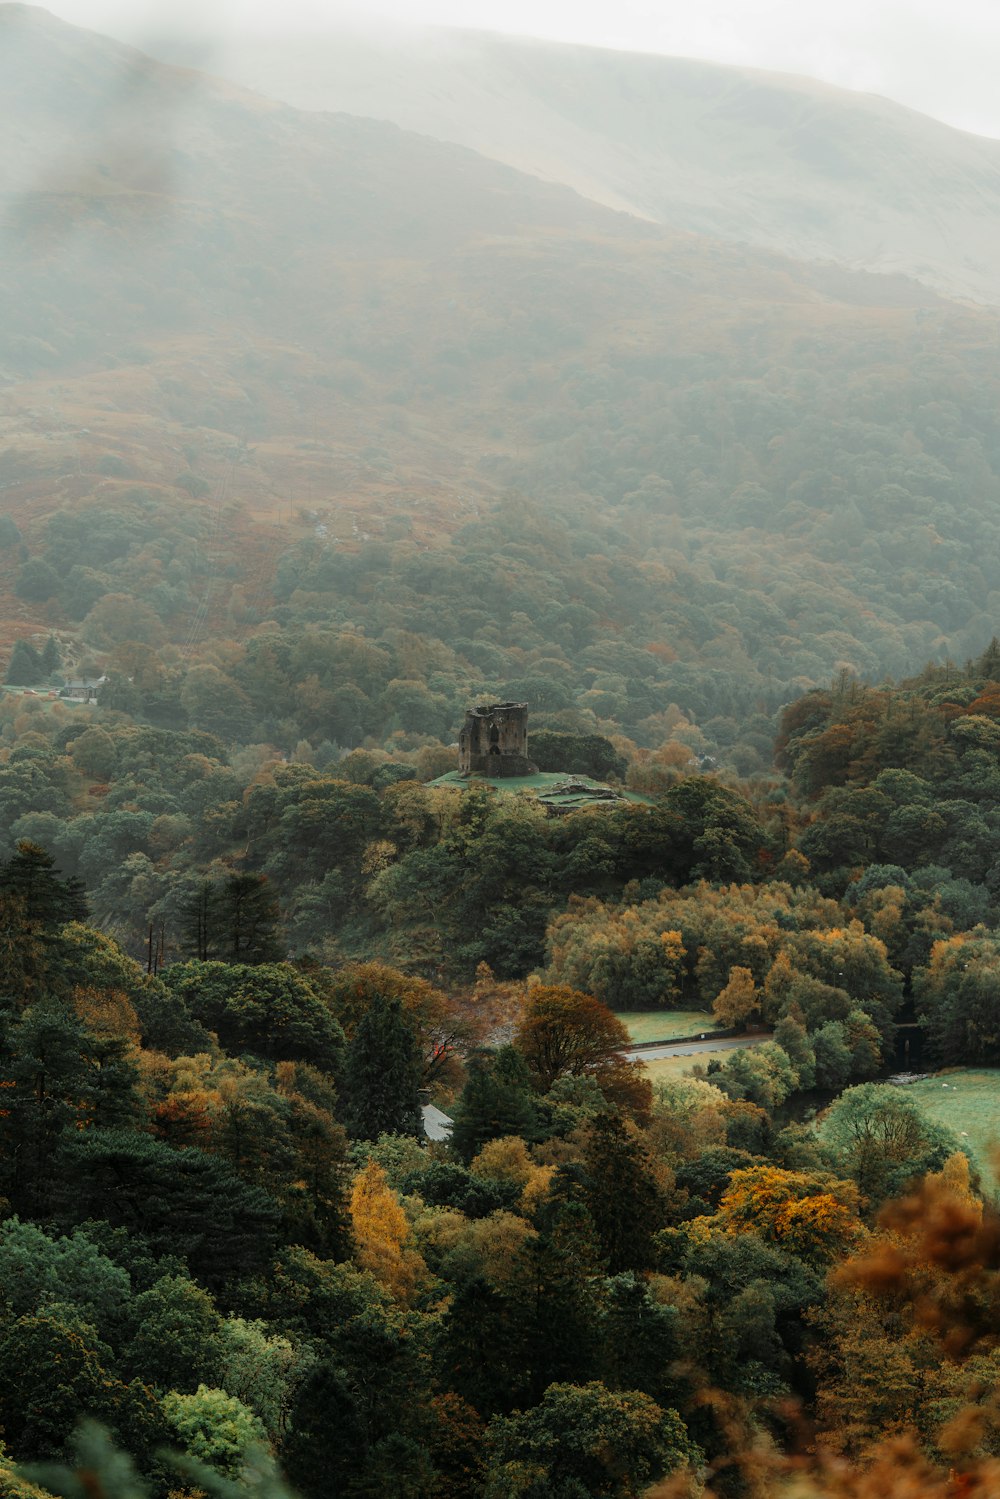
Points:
[967,1100]
[664,1025]
[660,1069]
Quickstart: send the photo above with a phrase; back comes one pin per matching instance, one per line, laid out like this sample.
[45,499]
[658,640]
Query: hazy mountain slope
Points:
[766,159]
[333,375]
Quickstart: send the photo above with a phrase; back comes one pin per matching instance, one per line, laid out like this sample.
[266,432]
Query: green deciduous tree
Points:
[214,1428]
[269,1008]
[884,1140]
[584,1439]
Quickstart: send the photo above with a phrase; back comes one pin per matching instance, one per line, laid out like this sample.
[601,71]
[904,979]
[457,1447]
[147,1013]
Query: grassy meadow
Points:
[664,1025]
[662,1069]
[967,1100]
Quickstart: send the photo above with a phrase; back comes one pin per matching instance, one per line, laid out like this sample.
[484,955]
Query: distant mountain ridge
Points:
[330,373]
[766,159]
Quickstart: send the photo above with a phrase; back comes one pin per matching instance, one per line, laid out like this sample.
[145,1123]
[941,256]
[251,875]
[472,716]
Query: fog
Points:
[940,59]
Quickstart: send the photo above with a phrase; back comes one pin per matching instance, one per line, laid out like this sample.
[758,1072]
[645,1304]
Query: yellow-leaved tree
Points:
[738,1001]
[382,1235]
[508,1160]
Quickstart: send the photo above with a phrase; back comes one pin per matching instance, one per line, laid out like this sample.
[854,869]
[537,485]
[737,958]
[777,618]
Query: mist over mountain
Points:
[758,158]
[327,373]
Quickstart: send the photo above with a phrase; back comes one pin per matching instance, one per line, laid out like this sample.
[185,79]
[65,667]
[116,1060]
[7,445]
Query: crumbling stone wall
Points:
[494,741]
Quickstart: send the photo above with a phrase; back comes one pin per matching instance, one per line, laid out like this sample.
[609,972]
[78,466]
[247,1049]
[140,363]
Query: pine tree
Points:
[235,922]
[249,917]
[48,901]
[622,1193]
[382,1074]
[496,1102]
[50,658]
[25,665]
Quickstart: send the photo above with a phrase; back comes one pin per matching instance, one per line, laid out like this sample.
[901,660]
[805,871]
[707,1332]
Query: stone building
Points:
[494,741]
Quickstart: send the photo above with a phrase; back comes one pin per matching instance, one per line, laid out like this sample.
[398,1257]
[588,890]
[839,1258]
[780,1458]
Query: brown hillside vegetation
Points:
[321,331]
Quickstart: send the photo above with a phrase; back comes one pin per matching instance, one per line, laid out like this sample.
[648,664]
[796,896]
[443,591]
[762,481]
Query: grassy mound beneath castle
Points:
[556,789]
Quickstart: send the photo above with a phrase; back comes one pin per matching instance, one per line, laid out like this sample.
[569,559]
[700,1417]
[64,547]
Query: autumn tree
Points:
[958,995]
[565,1033]
[441,1025]
[812,1215]
[382,1236]
[738,1002]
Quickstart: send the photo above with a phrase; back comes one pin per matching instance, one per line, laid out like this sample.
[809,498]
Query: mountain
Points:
[759,158]
[266,373]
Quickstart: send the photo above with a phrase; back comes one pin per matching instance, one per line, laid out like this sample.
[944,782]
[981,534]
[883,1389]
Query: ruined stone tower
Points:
[494,741]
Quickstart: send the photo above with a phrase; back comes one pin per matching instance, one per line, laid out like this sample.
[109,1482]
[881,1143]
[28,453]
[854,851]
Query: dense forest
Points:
[227,1235]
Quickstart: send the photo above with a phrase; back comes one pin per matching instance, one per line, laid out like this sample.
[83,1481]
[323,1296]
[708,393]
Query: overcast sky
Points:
[938,56]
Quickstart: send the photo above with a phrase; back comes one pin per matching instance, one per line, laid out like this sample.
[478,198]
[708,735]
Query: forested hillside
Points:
[522,445]
[327,1166]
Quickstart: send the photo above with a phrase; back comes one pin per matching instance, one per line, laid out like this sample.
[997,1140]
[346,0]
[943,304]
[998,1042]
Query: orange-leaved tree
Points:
[566,1033]
[382,1235]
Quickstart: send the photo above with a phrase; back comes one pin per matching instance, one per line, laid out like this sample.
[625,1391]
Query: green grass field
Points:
[664,1025]
[663,1068]
[967,1100]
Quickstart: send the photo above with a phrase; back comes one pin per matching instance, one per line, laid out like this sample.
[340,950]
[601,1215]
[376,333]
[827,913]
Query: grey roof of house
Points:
[437,1126]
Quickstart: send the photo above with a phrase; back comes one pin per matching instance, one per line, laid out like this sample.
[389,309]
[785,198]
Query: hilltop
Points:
[752,157]
[266,373]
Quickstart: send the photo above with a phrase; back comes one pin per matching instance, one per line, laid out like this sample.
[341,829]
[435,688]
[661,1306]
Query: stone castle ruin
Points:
[494,741]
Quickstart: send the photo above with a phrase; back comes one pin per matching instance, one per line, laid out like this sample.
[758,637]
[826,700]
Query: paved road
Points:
[692,1048]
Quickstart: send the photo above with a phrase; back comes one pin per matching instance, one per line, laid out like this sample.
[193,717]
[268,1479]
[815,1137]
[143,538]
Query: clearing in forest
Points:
[665,1025]
[967,1100]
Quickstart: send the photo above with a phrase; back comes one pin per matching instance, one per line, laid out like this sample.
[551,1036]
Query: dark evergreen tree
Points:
[185,1202]
[48,901]
[10,536]
[557,1288]
[641,1341]
[198,922]
[25,667]
[235,921]
[57,1078]
[50,657]
[37,581]
[382,1074]
[481,1348]
[325,1443]
[622,1192]
[442,1184]
[502,1347]
[497,1100]
[248,916]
